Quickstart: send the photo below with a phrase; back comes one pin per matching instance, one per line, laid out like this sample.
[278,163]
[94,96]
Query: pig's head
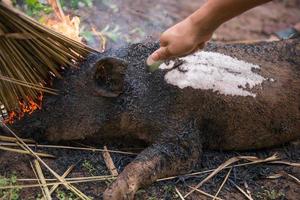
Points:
[85,105]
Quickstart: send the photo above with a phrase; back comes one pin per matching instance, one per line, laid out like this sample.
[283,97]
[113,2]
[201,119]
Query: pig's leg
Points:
[162,159]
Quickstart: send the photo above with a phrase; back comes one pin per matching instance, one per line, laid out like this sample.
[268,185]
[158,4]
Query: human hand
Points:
[180,40]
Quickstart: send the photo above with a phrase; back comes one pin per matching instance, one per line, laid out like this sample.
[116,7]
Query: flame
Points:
[69,27]
[27,106]
[101,38]
[11,118]
[63,24]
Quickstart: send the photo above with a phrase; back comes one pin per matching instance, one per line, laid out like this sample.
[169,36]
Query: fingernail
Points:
[150,60]
[152,64]
[155,56]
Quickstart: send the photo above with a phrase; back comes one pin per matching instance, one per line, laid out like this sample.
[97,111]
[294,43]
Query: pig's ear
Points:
[109,76]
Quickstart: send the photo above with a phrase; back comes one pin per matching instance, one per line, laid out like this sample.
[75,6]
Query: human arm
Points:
[193,32]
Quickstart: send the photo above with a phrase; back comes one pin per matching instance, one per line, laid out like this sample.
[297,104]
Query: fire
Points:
[69,27]
[27,106]
[63,24]
[11,118]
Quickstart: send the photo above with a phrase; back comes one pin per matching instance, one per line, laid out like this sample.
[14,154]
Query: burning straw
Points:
[29,54]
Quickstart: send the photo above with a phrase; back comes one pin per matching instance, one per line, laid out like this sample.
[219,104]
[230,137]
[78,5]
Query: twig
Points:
[62,180]
[42,179]
[45,155]
[63,176]
[70,179]
[59,183]
[179,194]
[247,189]
[12,139]
[211,170]
[286,163]
[71,148]
[229,162]
[283,174]
[204,193]
[242,191]
[109,162]
[295,178]
[223,183]
[39,181]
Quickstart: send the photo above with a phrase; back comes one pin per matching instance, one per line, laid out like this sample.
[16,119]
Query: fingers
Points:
[161,54]
[197,48]
[164,40]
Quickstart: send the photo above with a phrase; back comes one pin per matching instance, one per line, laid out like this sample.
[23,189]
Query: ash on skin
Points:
[215,71]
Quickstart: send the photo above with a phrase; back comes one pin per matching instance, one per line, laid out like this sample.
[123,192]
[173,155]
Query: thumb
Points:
[161,54]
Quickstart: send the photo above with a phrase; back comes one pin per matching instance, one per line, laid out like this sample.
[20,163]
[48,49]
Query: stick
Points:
[179,194]
[26,152]
[242,191]
[216,171]
[211,170]
[39,181]
[294,178]
[63,176]
[286,163]
[62,180]
[223,183]
[109,162]
[247,189]
[284,174]
[71,148]
[229,162]
[42,179]
[59,183]
[12,139]
[204,193]
[71,179]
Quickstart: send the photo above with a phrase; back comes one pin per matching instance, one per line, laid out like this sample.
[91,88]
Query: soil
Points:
[136,21]
[92,164]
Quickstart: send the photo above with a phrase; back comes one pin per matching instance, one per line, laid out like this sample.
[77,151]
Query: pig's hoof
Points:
[120,190]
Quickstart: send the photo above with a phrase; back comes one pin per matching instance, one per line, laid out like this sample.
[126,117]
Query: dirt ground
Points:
[89,163]
[135,20]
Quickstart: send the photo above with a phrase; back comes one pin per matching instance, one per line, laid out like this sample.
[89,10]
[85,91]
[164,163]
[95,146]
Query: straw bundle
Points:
[29,54]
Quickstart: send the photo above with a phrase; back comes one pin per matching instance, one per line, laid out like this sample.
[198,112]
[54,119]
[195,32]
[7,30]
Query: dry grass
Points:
[70,148]
[252,159]
[223,183]
[30,53]
[23,145]
[67,182]
[40,175]
[45,155]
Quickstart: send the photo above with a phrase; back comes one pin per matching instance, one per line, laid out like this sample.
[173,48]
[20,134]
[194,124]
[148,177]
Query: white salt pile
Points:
[210,70]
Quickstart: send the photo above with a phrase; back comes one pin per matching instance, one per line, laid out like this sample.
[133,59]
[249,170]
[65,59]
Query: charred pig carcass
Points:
[232,97]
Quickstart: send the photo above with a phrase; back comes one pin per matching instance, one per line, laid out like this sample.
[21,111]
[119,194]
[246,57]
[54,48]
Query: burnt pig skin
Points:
[231,97]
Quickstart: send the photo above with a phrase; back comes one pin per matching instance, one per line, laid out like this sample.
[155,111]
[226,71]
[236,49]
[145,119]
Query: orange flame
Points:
[69,27]
[25,107]
[65,25]
[11,118]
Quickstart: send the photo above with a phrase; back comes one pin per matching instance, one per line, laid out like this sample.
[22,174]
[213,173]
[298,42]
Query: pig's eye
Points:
[109,76]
